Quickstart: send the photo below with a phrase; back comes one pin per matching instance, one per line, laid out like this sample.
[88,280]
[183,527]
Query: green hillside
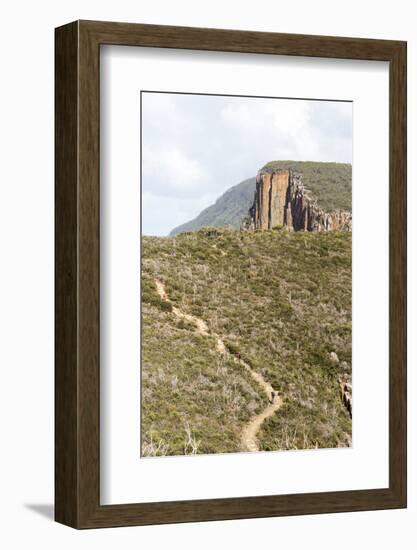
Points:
[329,182]
[283,300]
[228,210]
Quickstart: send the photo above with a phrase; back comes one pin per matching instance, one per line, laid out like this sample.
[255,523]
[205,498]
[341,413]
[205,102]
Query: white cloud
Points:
[171,173]
[287,128]
[285,116]
[156,108]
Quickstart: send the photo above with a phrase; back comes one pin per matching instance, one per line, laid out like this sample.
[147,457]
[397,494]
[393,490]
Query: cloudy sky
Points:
[194,147]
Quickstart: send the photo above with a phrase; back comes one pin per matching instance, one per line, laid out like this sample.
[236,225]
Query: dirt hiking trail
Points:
[249,440]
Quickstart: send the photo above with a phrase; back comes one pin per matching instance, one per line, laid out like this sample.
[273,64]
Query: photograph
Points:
[209,271]
[246,274]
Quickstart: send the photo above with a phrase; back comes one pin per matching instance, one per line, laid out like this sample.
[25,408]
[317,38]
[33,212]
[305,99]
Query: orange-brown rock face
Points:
[269,206]
[279,188]
[281,200]
[264,200]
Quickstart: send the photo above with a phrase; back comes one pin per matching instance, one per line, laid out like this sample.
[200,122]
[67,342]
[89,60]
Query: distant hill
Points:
[229,209]
[329,182]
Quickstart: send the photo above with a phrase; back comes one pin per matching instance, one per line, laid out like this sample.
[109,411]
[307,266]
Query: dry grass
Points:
[194,400]
[283,300]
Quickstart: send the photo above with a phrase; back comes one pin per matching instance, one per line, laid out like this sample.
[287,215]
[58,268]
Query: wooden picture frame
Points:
[77,374]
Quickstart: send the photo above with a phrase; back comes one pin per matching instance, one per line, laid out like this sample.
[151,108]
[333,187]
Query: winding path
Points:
[249,440]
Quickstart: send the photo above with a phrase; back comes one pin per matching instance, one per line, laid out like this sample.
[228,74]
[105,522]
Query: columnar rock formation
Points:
[282,200]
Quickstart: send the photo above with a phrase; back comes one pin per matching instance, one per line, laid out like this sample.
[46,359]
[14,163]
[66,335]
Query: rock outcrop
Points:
[345,382]
[346,395]
[282,200]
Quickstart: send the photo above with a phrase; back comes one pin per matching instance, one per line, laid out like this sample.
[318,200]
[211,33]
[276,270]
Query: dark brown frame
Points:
[77,274]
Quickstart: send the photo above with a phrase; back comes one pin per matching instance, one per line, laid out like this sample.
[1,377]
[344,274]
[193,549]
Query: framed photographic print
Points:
[230,274]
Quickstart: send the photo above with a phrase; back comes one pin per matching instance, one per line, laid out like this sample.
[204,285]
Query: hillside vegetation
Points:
[329,182]
[283,300]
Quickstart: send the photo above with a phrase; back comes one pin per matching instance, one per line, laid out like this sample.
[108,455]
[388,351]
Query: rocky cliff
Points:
[282,200]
